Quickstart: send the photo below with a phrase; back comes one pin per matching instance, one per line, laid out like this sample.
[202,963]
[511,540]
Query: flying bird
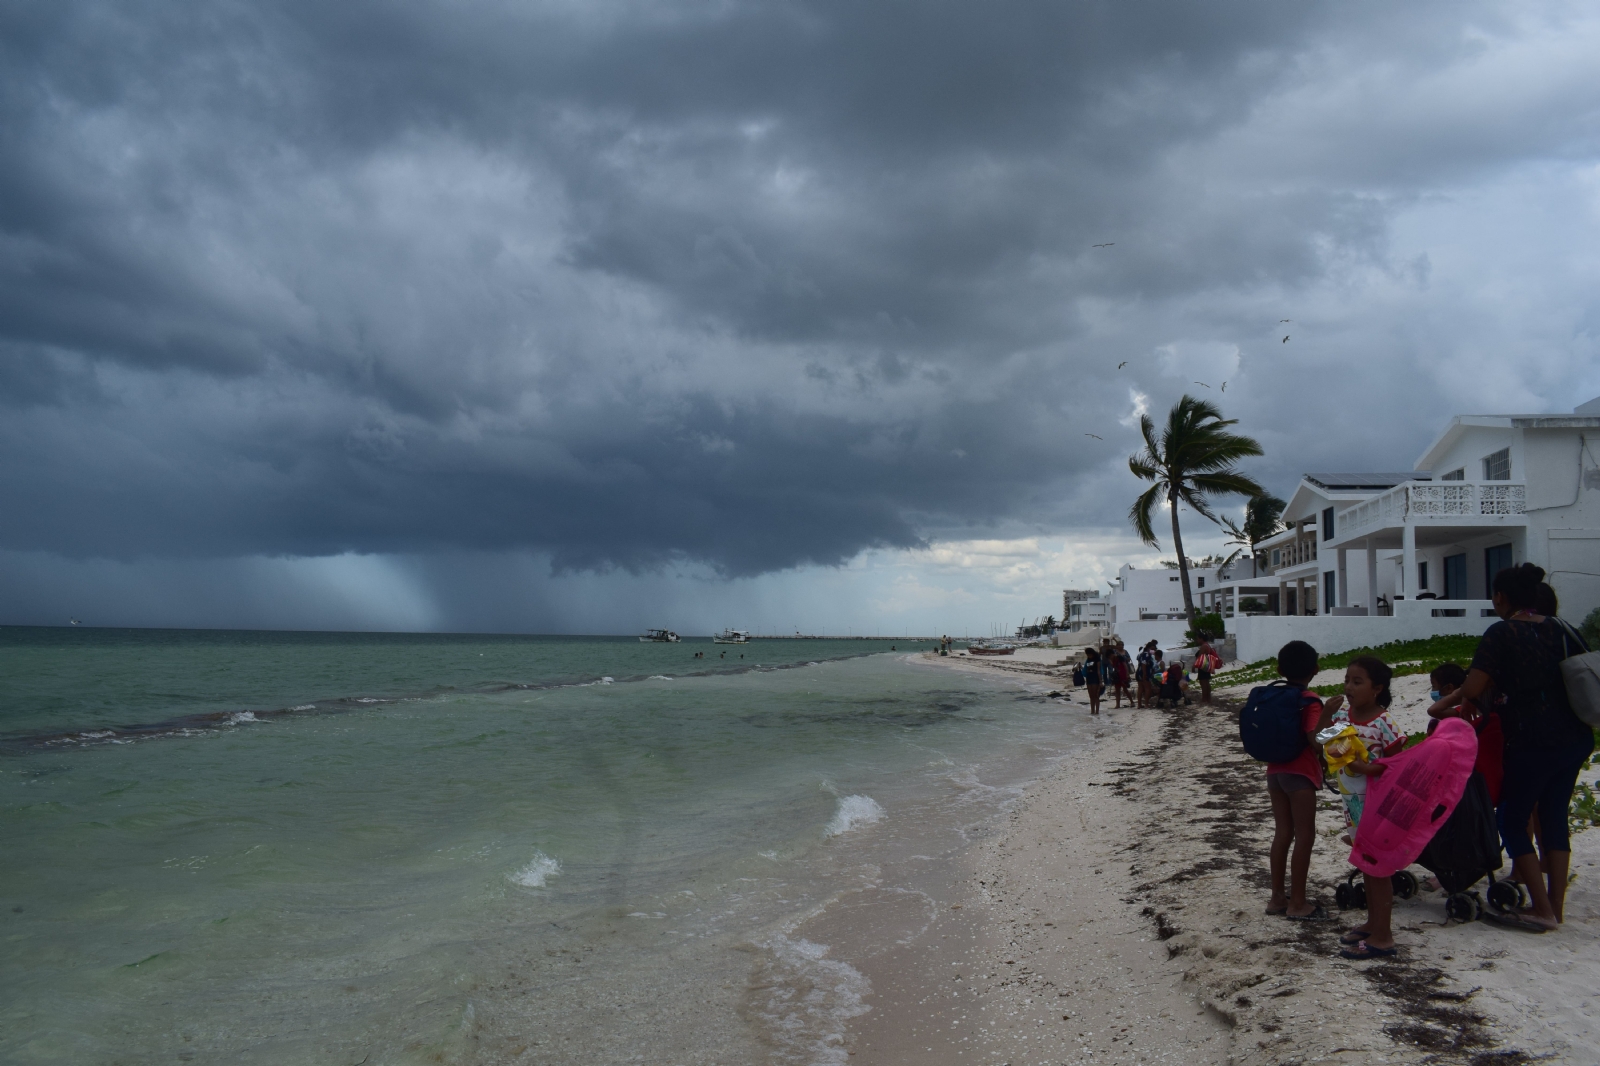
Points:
[1122,364]
[1202,384]
[1224,386]
[1281,321]
[1108,244]
[1284,341]
[1093,435]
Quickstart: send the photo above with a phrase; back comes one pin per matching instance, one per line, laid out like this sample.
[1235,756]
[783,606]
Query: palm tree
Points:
[1193,460]
[1262,519]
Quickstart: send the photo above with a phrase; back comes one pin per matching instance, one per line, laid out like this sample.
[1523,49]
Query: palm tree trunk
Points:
[1183,561]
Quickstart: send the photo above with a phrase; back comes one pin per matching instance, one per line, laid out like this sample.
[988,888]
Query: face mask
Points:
[1434,695]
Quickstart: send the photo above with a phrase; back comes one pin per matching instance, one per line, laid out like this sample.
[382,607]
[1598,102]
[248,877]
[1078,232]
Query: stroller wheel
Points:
[1342,894]
[1460,907]
[1358,896]
[1405,884]
[1506,895]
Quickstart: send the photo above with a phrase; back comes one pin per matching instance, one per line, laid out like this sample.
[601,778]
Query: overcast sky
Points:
[589,316]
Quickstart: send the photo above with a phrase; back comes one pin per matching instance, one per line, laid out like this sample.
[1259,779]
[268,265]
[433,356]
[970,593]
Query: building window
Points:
[1422,576]
[1455,577]
[1202,583]
[1327,523]
[1330,591]
[1497,467]
[1458,474]
[1275,555]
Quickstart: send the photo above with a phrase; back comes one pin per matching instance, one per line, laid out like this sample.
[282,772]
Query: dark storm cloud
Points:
[755,285]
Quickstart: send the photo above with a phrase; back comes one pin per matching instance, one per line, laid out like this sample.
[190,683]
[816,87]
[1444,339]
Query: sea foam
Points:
[853,812]
[803,999]
[538,871]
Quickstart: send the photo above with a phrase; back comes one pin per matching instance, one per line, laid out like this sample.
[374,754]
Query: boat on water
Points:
[990,648]
[659,636]
[732,636]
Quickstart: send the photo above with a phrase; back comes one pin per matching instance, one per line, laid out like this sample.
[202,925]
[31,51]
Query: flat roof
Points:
[1347,482]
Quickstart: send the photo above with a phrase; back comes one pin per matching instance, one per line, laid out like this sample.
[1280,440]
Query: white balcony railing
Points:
[1431,499]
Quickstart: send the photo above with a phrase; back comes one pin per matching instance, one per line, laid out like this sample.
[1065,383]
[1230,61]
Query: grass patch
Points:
[1414,657]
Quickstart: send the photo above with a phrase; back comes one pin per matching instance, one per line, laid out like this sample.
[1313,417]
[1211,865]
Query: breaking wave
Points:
[853,812]
[538,871]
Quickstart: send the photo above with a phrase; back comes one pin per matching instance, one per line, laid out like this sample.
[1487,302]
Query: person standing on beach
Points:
[1292,790]
[1546,745]
[1366,687]
[1093,681]
[1119,675]
[1142,670]
[1206,660]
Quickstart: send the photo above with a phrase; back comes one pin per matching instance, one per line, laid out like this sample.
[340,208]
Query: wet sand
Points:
[1117,916]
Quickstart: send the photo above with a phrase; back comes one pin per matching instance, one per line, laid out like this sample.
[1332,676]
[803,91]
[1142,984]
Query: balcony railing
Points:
[1432,499]
[1293,554]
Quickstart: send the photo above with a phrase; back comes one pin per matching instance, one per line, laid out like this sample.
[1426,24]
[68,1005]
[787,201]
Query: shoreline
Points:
[1116,916]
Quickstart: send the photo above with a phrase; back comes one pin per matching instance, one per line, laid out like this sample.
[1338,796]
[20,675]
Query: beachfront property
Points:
[1141,605]
[1368,558]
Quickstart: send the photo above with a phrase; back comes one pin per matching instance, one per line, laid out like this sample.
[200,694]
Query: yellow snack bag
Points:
[1341,746]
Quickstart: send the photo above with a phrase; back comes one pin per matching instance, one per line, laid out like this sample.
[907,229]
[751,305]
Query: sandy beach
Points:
[1117,916]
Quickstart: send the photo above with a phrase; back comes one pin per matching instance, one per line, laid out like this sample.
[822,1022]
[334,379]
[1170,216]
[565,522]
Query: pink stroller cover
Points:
[1410,800]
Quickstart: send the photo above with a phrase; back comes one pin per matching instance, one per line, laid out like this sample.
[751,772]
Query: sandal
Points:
[1354,936]
[1518,920]
[1364,950]
[1319,914]
[1277,910]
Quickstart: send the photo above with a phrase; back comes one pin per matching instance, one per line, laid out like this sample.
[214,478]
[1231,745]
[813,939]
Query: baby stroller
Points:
[1465,850]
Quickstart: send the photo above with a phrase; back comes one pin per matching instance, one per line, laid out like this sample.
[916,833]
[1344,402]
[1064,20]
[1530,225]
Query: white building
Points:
[1420,548]
[1147,605]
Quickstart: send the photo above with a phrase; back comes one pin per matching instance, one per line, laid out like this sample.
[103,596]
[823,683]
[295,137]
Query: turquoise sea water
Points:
[339,848]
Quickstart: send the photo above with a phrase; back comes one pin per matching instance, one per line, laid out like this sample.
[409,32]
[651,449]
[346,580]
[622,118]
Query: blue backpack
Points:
[1270,726]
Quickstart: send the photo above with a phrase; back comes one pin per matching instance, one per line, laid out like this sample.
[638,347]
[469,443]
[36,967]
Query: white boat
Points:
[659,636]
[732,636]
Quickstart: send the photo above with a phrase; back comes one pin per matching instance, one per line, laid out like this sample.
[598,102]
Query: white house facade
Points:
[1371,558]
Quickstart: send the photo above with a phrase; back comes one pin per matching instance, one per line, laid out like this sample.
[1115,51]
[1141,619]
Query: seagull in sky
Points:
[1281,321]
[1202,384]
[1108,244]
[1093,435]
[1284,341]
[1224,386]
[1122,364]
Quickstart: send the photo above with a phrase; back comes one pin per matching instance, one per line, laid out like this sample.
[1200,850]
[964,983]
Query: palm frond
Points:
[1139,514]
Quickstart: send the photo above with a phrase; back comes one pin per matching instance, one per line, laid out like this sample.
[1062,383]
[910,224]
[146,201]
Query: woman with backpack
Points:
[1546,745]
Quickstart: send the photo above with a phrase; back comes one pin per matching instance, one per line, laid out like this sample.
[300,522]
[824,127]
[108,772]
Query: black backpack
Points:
[1270,724]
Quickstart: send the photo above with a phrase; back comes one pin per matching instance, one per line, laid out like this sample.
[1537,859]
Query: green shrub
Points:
[1208,626]
[1591,628]
[1406,656]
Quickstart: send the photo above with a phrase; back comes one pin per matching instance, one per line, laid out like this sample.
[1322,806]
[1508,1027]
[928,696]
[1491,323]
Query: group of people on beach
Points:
[1158,683]
[1531,748]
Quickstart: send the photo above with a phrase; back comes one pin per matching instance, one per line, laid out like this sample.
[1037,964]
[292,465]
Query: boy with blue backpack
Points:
[1278,725]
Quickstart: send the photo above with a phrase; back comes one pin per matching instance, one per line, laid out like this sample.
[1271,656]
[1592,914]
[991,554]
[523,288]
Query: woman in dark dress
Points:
[1545,743]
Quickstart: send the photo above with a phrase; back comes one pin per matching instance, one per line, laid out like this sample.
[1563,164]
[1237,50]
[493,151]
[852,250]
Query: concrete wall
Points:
[1136,635]
[1564,515]
[1261,637]
[1467,451]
